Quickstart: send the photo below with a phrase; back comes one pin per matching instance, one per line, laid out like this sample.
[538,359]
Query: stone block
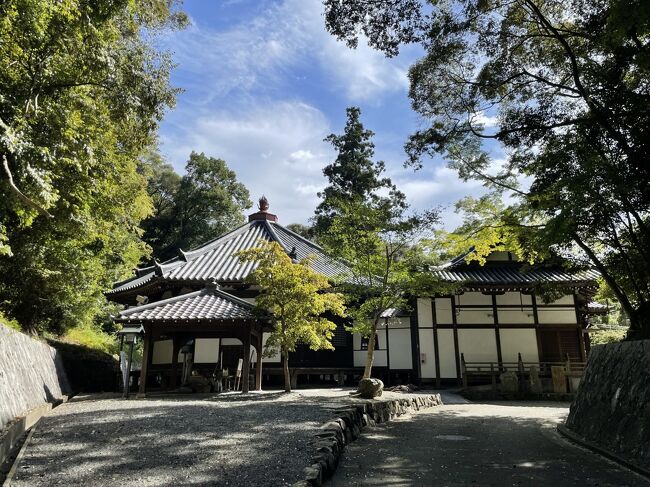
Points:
[509,382]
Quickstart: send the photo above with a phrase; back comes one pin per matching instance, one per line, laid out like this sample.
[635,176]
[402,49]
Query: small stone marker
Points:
[535,382]
[559,379]
[509,382]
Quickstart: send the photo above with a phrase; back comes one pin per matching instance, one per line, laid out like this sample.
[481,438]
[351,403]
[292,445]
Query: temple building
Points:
[198,316]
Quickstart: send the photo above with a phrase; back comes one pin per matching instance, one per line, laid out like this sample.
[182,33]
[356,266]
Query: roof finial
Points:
[263,204]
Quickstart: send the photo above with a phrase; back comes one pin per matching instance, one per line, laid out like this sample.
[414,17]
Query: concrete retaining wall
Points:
[612,405]
[31,374]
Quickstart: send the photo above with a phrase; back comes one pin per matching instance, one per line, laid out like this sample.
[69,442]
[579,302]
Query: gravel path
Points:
[262,439]
[497,444]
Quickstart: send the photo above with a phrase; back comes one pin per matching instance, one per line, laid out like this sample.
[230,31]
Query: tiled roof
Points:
[205,305]
[215,260]
[514,274]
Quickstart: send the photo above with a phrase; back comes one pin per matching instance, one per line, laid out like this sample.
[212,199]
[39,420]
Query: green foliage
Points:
[603,337]
[363,221]
[566,87]
[93,338]
[82,90]
[297,298]
[354,176]
[205,203]
[306,231]
[10,322]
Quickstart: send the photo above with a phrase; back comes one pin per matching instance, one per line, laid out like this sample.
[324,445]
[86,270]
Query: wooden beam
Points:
[415,339]
[497,333]
[258,366]
[246,365]
[146,358]
[176,340]
[436,349]
[456,347]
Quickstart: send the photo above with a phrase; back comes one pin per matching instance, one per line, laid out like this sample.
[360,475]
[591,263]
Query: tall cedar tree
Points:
[371,233]
[82,89]
[202,205]
[298,299]
[354,176]
[564,87]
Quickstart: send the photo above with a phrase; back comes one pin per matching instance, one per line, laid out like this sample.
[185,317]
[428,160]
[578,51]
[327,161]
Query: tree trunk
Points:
[285,367]
[370,357]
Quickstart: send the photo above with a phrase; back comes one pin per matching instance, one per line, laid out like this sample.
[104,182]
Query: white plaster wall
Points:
[475,316]
[379,358]
[428,367]
[514,298]
[566,300]
[425,317]
[479,345]
[443,311]
[447,357]
[401,356]
[162,352]
[206,350]
[400,322]
[515,316]
[474,298]
[557,315]
[514,341]
[273,359]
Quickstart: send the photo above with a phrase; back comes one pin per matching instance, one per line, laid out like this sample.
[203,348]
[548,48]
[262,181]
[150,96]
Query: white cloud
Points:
[255,56]
[276,149]
[485,120]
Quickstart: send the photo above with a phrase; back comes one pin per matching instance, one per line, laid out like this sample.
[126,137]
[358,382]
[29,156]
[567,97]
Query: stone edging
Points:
[330,441]
[20,426]
[578,439]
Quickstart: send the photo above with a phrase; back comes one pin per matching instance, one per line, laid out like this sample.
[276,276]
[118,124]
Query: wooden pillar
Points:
[246,365]
[175,349]
[436,350]
[581,324]
[146,358]
[497,333]
[258,366]
[415,340]
[456,347]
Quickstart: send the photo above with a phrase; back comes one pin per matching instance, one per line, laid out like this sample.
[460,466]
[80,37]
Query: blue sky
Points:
[264,83]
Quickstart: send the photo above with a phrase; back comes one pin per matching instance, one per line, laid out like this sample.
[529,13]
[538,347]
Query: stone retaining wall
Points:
[330,441]
[31,374]
[612,405]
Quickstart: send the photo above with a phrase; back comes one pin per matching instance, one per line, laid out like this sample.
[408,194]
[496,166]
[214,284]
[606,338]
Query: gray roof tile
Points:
[215,260]
[207,304]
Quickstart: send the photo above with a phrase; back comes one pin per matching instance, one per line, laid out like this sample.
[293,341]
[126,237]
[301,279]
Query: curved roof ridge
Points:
[211,244]
[299,237]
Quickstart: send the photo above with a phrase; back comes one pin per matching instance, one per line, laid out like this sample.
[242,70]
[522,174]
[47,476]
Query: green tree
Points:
[298,299]
[384,261]
[203,204]
[307,231]
[82,90]
[354,175]
[563,86]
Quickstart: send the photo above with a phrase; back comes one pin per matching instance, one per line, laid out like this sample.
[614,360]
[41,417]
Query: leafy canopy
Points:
[564,87]
[205,203]
[296,296]
[82,90]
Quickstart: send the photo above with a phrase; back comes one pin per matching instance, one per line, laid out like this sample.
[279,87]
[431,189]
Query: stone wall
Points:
[612,406]
[31,374]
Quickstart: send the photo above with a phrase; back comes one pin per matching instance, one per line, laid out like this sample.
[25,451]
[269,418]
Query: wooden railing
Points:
[492,370]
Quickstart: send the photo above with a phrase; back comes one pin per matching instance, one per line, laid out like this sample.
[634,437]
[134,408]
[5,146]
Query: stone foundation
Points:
[612,405]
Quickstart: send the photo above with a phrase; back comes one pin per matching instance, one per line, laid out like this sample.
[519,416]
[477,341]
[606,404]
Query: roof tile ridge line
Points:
[300,237]
[203,248]
[155,304]
[315,245]
[275,236]
[232,297]
[115,290]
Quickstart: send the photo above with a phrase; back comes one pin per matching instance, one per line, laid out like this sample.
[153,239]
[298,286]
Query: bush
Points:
[602,337]
[10,323]
[92,338]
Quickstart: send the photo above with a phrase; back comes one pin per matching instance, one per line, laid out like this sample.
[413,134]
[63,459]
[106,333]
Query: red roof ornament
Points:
[263,212]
